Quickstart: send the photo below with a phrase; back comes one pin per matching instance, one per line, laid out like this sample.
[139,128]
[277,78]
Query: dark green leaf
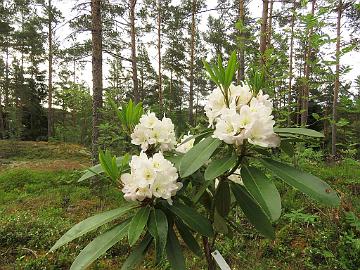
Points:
[287,147]
[92,223]
[158,227]
[193,219]
[173,251]
[198,155]
[223,198]
[263,190]
[188,238]
[99,246]
[252,211]
[300,131]
[305,182]
[219,166]
[138,254]
[220,223]
[137,224]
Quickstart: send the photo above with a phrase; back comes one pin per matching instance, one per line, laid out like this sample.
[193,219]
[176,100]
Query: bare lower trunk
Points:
[291,65]
[50,91]
[337,79]
[241,71]
[263,31]
[96,73]
[305,94]
[159,57]
[192,49]
[133,51]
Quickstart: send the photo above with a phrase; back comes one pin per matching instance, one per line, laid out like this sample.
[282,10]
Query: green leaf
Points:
[188,238]
[305,182]
[219,166]
[263,190]
[173,251]
[201,191]
[193,219]
[138,254]
[137,224]
[99,246]
[287,147]
[158,227]
[97,169]
[252,211]
[230,69]
[92,223]
[300,131]
[220,223]
[198,155]
[223,198]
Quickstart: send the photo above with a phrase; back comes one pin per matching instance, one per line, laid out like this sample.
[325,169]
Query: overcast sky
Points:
[255,6]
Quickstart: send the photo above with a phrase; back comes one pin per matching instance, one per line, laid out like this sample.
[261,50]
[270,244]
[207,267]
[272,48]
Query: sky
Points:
[255,7]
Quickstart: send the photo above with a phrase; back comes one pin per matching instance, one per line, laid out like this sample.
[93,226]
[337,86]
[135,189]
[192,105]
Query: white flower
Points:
[183,146]
[248,117]
[152,131]
[150,177]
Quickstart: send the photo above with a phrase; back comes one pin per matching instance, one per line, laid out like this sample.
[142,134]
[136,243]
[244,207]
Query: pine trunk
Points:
[192,49]
[50,90]
[305,94]
[241,71]
[96,73]
[133,51]
[337,79]
[291,65]
[159,56]
[263,31]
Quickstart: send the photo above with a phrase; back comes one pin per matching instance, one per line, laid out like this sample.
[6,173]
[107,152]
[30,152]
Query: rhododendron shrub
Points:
[187,188]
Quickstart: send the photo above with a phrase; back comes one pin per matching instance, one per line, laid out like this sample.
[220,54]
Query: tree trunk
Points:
[241,71]
[305,95]
[96,73]
[159,55]
[2,126]
[192,49]
[269,26]
[337,79]
[133,51]
[50,110]
[263,31]
[291,64]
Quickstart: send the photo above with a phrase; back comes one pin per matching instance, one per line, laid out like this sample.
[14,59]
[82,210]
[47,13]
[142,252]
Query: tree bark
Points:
[269,25]
[2,126]
[291,64]
[305,94]
[50,90]
[159,55]
[192,49]
[263,31]
[337,79]
[241,71]
[133,51]
[96,73]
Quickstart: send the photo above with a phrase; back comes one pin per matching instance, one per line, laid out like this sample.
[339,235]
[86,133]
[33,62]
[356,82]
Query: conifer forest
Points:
[180,134]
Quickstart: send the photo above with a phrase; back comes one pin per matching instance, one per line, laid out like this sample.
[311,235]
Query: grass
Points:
[38,203]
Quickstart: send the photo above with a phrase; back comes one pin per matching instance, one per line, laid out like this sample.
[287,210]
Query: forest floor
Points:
[40,199]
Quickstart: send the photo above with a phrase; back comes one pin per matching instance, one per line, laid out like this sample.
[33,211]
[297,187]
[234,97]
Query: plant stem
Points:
[207,250]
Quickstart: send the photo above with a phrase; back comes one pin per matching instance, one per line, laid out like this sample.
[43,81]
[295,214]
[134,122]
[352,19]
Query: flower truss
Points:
[154,132]
[154,176]
[246,117]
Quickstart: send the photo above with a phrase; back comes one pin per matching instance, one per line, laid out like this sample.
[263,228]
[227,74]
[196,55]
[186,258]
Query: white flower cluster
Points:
[150,177]
[246,117]
[186,144]
[152,131]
